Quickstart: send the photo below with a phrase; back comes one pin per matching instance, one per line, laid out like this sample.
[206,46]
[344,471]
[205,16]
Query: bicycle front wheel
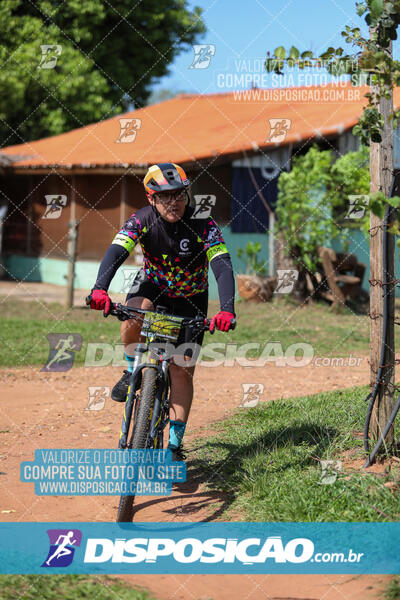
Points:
[140,433]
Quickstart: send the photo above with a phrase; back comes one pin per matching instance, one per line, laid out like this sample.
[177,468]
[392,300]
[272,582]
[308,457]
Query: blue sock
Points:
[176,432]
[129,360]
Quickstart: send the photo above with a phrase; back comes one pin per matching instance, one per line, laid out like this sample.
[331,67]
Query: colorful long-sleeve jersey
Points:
[176,255]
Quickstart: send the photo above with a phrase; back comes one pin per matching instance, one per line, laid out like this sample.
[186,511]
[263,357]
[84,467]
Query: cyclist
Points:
[177,248]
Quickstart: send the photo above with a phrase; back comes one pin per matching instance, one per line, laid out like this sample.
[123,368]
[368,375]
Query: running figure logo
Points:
[357,206]
[202,55]
[50,54]
[278,129]
[135,280]
[98,395]
[204,204]
[286,280]
[62,348]
[61,551]
[251,394]
[128,130]
[129,275]
[329,471]
[55,204]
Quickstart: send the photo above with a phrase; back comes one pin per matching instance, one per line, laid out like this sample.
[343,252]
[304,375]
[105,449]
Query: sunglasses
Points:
[167,199]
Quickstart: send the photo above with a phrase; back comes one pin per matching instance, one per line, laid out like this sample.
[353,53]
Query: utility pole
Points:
[381,170]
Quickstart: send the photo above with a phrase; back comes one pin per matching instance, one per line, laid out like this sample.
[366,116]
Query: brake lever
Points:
[231,326]
[208,323]
[122,317]
[110,312]
[117,311]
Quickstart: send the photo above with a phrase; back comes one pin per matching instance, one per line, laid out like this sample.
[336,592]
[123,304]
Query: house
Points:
[233,146]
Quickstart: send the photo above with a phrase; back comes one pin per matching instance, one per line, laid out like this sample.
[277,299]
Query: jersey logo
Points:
[184,246]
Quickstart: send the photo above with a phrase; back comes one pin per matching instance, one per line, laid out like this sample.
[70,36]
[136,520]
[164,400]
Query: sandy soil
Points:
[48,411]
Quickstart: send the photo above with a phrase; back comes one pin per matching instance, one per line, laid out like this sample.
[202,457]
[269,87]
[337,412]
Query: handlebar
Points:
[123,313]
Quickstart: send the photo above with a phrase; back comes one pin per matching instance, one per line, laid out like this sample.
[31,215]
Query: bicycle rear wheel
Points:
[141,427]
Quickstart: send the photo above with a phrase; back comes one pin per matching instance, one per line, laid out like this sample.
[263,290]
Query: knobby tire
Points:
[140,433]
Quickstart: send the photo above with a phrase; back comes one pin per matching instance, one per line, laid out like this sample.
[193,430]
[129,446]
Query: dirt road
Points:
[40,410]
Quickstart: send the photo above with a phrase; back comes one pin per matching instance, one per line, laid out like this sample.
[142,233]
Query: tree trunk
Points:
[381,168]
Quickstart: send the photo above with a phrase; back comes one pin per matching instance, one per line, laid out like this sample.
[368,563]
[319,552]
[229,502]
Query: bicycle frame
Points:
[161,399]
[155,360]
[155,407]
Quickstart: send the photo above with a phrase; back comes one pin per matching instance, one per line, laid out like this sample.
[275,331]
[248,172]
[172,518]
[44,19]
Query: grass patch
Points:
[267,461]
[392,591]
[24,341]
[26,324]
[329,333]
[67,587]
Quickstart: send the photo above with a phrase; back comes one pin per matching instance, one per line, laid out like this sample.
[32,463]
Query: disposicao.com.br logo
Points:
[247,551]
[62,547]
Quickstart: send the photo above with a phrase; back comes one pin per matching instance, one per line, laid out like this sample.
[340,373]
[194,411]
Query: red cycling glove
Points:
[100,299]
[222,321]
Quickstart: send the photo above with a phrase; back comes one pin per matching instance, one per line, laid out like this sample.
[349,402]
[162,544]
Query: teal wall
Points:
[233,242]
[50,270]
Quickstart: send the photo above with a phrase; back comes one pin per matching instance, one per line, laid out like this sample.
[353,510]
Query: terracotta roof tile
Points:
[191,127]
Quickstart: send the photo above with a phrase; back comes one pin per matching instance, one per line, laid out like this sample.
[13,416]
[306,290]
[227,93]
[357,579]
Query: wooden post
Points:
[122,204]
[381,170]
[72,244]
[71,252]
[271,244]
[29,214]
[2,268]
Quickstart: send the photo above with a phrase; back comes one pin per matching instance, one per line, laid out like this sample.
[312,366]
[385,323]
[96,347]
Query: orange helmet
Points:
[165,177]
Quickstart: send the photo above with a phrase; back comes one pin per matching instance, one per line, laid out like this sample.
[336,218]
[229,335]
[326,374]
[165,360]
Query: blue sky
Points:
[243,32]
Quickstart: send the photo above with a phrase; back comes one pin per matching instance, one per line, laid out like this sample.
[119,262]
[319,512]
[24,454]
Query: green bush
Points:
[313,199]
[251,251]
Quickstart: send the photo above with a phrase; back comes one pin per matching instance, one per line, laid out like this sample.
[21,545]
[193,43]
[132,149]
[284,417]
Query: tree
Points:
[163,94]
[107,56]
[349,176]
[303,217]
[313,200]
[373,62]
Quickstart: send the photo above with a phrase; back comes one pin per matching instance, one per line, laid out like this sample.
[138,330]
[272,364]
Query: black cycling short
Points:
[188,306]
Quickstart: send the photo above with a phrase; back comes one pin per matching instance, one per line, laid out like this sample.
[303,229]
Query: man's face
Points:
[170,205]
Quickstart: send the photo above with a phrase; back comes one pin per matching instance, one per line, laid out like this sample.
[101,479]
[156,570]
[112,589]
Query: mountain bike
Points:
[148,392]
